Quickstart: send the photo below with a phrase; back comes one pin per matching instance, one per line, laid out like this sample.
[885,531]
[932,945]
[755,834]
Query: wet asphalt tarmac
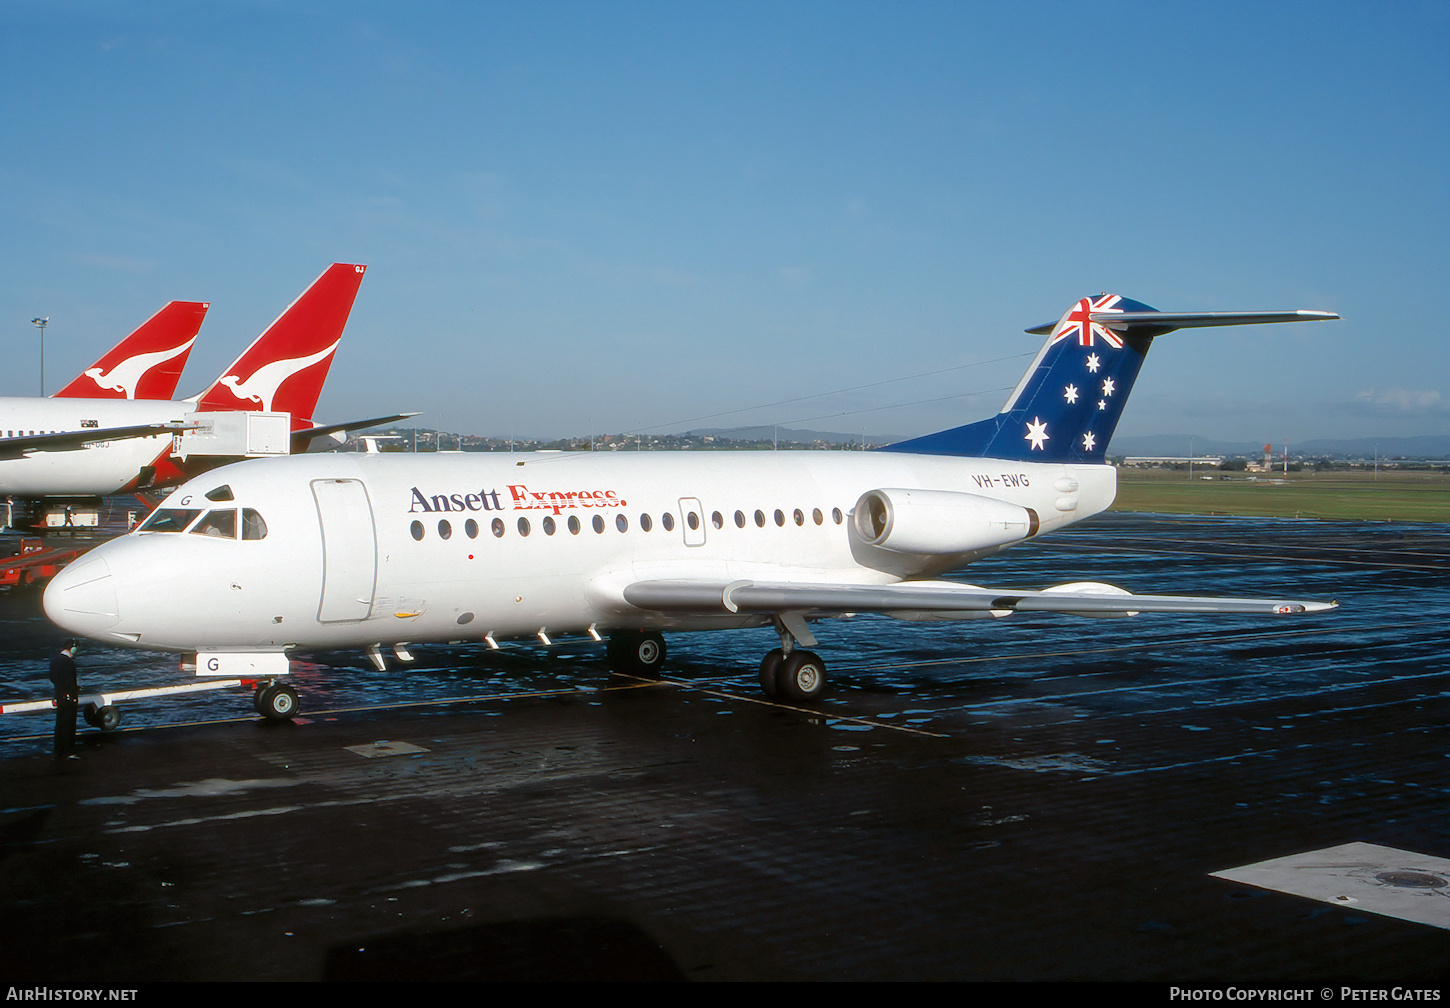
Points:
[1036,798]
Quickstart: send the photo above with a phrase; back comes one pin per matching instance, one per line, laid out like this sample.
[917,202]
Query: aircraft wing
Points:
[939,597]
[302,438]
[18,447]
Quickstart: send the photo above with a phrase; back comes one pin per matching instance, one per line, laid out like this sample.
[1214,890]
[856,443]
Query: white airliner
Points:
[256,559]
[93,444]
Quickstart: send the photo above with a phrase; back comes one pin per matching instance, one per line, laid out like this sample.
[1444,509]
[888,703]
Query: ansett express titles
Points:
[520,498]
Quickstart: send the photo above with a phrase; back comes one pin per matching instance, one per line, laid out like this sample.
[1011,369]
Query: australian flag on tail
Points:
[1067,405]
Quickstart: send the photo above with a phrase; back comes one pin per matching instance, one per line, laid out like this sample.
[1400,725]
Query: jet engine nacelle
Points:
[939,521]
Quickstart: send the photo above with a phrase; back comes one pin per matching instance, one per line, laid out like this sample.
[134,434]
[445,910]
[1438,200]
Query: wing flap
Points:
[713,598]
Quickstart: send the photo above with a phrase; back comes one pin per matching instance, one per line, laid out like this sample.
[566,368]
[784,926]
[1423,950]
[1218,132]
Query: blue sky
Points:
[621,216]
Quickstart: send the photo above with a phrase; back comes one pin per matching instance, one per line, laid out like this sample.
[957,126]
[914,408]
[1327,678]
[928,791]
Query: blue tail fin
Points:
[1067,405]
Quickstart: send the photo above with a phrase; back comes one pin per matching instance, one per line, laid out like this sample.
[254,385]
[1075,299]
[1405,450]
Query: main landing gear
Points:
[636,651]
[789,674]
[797,675]
[786,673]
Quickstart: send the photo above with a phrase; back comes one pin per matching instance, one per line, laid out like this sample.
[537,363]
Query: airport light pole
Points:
[40,323]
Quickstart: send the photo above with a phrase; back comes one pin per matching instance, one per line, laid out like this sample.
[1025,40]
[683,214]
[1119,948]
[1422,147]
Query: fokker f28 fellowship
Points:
[253,560]
[94,443]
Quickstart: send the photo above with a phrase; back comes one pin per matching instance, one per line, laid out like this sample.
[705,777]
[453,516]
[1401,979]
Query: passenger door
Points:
[349,550]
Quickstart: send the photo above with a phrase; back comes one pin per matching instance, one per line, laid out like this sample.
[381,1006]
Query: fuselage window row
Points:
[645,523]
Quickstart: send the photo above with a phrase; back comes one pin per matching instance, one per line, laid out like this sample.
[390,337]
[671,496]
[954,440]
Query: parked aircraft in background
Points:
[146,364]
[254,560]
[66,446]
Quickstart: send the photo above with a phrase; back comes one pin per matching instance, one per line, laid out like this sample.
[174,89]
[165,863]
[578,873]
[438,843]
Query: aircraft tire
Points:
[636,651]
[105,718]
[770,673]
[802,676]
[277,703]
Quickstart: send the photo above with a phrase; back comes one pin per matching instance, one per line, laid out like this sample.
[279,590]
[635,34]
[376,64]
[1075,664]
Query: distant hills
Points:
[766,432]
[1435,447]
[1431,447]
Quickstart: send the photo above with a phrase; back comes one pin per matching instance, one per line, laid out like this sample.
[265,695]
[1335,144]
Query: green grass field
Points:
[1393,496]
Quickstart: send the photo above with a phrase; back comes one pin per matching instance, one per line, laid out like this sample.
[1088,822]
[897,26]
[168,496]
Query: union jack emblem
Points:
[1079,323]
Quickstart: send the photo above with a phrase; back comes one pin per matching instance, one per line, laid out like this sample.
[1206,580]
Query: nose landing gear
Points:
[275,702]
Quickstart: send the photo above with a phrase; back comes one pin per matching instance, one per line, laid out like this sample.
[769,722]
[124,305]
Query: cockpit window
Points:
[170,520]
[221,523]
[253,527]
[221,493]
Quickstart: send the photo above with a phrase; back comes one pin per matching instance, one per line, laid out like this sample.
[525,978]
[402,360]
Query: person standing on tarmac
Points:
[67,700]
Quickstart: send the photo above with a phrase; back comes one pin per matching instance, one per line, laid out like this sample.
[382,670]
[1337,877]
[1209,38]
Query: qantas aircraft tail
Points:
[146,364]
[284,368]
[1068,403]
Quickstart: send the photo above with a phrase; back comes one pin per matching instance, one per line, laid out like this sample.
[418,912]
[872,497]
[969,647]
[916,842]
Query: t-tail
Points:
[284,368]
[146,364]
[1067,405]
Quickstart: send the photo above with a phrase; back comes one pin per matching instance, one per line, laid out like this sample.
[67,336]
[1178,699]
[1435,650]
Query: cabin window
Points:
[692,519]
[780,517]
[470,529]
[445,530]
[574,525]
[739,519]
[646,523]
[221,523]
[253,527]
[819,518]
[836,515]
[800,519]
[621,523]
[170,520]
[417,530]
[668,521]
[598,523]
[548,524]
[718,520]
[523,526]
[760,519]
[498,527]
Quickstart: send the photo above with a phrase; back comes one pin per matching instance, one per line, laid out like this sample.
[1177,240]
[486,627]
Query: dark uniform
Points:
[67,700]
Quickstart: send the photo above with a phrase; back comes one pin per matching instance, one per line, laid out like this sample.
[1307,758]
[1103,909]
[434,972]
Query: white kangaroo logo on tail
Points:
[264,382]
[125,376]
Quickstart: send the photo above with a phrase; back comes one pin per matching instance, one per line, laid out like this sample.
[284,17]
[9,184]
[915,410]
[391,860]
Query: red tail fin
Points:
[284,368]
[147,364]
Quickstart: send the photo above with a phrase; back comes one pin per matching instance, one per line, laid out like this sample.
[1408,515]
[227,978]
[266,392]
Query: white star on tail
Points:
[1036,433]
[1070,393]
[1107,386]
[1088,441]
[1093,363]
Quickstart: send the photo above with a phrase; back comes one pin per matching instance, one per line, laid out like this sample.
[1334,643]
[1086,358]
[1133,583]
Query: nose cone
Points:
[82,598]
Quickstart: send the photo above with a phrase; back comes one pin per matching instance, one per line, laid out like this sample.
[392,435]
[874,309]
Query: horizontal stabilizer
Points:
[705,598]
[1155,323]
[1067,405]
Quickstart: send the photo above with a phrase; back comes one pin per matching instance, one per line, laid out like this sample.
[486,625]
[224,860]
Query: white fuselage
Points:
[99,469]
[385,548]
